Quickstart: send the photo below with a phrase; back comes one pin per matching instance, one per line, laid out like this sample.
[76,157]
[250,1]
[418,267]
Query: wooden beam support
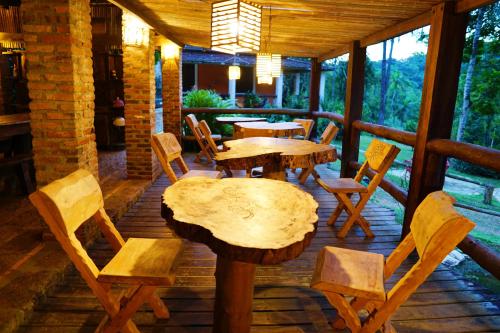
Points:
[149,17]
[337,52]
[398,29]
[465,6]
[442,70]
[353,107]
[314,85]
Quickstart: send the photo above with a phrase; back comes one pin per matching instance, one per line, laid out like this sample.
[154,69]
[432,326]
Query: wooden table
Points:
[286,129]
[274,154]
[245,223]
[232,120]
[14,124]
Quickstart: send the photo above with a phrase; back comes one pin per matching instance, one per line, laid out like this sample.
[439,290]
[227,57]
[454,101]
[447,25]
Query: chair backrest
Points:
[436,230]
[168,149]
[379,157]
[329,134]
[308,125]
[194,126]
[207,133]
[65,204]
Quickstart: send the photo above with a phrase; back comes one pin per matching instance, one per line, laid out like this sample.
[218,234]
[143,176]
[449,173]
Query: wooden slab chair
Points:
[199,137]
[379,157]
[212,146]
[308,125]
[140,263]
[436,230]
[326,138]
[168,149]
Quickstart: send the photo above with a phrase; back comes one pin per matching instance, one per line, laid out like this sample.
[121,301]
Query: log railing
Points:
[482,156]
[290,112]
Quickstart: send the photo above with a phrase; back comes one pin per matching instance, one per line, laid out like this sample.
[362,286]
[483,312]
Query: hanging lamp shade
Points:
[265,79]
[135,31]
[236,26]
[268,65]
[234,72]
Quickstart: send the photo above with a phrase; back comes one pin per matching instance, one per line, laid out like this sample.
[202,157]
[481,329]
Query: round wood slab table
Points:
[286,129]
[232,120]
[245,222]
[275,155]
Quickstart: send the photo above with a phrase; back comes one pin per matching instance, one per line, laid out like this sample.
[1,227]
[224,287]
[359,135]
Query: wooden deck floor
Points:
[283,301]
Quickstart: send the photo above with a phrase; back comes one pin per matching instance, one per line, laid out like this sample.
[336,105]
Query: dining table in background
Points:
[275,155]
[283,129]
[245,223]
[233,120]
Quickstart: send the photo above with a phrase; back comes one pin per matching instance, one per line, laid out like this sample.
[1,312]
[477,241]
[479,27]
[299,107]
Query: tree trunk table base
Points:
[233,296]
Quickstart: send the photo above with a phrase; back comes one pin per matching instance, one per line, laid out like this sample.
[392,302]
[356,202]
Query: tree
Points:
[385,75]
[466,103]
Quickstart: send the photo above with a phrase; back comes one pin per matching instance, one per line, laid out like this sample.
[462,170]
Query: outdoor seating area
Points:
[137,202]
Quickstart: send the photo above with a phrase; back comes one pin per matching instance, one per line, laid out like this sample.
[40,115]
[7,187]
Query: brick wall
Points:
[172,94]
[139,91]
[59,69]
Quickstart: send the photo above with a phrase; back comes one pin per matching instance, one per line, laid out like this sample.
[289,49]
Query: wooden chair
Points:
[435,231]
[142,264]
[379,157]
[213,148]
[200,139]
[308,125]
[326,138]
[168,149]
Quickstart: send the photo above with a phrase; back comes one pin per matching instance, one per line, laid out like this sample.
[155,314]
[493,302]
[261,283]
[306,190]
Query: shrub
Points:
[206,99]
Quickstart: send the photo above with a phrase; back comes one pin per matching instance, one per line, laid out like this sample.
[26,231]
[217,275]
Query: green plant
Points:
[296,102]
[205,99]
[252,100]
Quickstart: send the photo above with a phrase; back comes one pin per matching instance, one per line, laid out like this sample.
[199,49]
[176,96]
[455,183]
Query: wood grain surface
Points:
[251,220]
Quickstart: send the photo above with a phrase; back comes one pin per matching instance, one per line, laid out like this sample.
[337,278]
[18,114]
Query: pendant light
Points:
[236,26]
[268,64]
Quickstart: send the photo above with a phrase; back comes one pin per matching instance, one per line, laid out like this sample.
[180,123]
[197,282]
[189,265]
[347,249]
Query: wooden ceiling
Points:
[310,28]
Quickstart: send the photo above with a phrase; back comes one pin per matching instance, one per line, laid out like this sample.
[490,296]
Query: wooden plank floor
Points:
[283,301]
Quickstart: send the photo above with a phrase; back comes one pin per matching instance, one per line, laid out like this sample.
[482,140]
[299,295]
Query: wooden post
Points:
[314,91]
[353,107]
[233,296]
[442,70]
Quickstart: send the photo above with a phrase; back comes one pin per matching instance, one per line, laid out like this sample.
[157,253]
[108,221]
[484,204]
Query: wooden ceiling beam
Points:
[398,29]
[148,17]
[337,52]
[464,6]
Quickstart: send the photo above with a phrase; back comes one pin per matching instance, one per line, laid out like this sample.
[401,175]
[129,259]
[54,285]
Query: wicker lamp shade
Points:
[236,26]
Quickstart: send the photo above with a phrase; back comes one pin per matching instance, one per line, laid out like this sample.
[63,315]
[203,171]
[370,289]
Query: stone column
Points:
[61,87]
[322,82]
[139,91]
[296,90]
[232,92]
[172,89]
[279,92]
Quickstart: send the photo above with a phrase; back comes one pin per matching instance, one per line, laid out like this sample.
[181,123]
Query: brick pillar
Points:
[172,90]
[61,87]
[139,91]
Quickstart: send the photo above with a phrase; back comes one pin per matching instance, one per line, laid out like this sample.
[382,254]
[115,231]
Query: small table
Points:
[274,154]
[245,223]
[232,120]
[286,129]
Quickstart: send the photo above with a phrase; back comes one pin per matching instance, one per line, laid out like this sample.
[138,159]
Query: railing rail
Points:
[291,112]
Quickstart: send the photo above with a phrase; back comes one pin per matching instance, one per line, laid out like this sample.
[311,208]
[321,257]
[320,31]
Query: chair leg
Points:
[354,215]
[336,213]
[304,175]
[159,307]
[357,304]
[345,311]
[130,306]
